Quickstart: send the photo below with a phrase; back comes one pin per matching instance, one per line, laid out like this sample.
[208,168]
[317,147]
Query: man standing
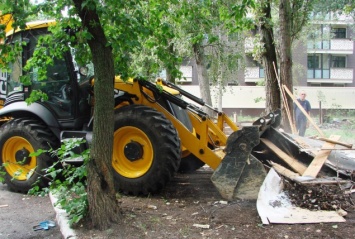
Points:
[301,119]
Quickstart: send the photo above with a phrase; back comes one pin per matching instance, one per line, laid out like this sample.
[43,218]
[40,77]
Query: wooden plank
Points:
[303,146]
[349,146]
[325,181]
[284,98]
[284,171]
[318,161]
[318,149]
[304,180]
[292,162]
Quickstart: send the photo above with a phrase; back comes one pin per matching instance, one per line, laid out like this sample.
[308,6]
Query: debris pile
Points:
[319,196]
[309,181]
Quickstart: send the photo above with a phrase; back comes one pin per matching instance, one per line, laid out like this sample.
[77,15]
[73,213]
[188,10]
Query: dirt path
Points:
[190,207]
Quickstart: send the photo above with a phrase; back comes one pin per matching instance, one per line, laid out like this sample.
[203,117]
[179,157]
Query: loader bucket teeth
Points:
[240,175]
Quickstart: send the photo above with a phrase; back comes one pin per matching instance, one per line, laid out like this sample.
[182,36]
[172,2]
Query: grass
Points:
[184,231]
[342,125]
[347,132]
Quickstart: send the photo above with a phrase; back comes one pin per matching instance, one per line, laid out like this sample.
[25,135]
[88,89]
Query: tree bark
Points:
[269,58]
[202,75]
[285,16]
[103,206]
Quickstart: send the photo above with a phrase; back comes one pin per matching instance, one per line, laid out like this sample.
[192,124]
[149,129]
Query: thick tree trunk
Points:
[202,75]
[286,57]
[103,206]
[269,57]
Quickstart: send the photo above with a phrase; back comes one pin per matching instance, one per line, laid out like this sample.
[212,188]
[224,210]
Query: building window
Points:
[261,72]
[318,66]
[339,33]
[338,61]
[313,62]
[250,62]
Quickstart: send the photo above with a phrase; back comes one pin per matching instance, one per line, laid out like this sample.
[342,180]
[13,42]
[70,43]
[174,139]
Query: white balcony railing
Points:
[332,75]
[332,18]
[249,44]
[342,46]
[342,74]
[251,72]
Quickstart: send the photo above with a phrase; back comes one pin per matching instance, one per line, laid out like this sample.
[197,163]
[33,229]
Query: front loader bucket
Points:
[240,174]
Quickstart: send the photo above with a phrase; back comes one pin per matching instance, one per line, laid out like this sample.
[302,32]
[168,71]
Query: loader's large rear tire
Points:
[146,151]
[18,139]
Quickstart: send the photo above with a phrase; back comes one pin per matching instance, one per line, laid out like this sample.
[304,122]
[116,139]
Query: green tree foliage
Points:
[208,33]
[110,34]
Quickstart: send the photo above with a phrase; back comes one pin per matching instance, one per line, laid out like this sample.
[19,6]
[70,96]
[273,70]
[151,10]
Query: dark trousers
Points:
[301,126]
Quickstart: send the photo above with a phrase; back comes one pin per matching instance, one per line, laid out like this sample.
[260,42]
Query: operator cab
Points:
[67,97]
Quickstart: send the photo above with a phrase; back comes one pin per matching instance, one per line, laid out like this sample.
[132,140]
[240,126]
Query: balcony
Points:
[331,18]
[332,75]
[253,74]
[333,46]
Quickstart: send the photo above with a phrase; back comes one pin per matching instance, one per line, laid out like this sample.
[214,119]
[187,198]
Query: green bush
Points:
[68,182]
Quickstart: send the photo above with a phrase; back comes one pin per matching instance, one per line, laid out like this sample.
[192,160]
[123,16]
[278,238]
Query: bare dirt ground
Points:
[190,207]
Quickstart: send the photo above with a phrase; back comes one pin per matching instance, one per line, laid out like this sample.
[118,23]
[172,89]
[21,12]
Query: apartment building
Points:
[323,65]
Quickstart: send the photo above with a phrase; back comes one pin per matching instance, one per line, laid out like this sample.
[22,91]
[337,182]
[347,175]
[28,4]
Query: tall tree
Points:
[103,206]
[113,30]
[285,41]
[269,57]
[293,16]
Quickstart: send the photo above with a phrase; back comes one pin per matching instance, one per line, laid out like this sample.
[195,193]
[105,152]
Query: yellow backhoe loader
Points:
[156,132]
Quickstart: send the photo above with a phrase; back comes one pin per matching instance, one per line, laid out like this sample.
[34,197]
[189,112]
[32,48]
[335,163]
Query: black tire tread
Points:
[44,138]
[166,164]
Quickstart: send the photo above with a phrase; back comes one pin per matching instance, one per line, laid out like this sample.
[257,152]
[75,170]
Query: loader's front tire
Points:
[146,151]
[18,139]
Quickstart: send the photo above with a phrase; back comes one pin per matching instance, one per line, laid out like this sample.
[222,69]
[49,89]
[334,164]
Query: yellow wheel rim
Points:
[17,169]
[132,152]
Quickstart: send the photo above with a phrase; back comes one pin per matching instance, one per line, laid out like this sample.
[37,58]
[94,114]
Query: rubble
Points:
[311,188]
[319,196]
